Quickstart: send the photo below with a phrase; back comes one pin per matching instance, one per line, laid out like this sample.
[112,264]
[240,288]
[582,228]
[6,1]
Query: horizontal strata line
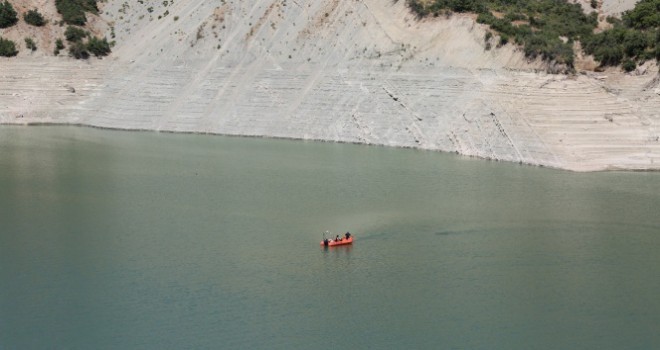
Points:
[628,148]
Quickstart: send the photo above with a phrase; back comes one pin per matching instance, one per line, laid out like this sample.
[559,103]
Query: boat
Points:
[347,238]
[332,242]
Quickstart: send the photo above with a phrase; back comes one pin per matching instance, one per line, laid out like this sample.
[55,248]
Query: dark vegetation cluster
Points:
[8,16]
[33,17]
[82,44]
[549,28]
[59,46]
[30,44]
[632,40]
[7,48]
[73,11]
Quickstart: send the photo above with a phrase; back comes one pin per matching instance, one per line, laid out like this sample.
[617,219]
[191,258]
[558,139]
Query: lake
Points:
[127,240]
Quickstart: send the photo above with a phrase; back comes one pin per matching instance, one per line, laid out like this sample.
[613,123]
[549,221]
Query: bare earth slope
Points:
[340,70]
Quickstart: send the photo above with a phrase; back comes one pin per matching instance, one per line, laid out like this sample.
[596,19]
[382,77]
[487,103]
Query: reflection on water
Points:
[144,240]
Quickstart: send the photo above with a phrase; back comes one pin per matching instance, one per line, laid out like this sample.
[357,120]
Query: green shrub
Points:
[8,16]
[98,47]
[488,36]
[612,20]
[7,48]
[59,46]
[33,17]
[74,34]
[73,11]
[515,16]
[635,43]
[504,39]
[645,15]
[30,44]
[629,65]
[78,50]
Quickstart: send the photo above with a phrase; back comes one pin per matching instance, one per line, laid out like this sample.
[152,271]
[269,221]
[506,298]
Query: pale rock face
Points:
[607,7]
[615,7]
[343,70]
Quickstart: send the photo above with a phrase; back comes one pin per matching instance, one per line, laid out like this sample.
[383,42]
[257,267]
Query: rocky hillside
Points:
[364,71]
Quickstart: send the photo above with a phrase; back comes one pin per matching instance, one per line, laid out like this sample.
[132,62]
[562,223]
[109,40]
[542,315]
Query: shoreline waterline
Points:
[256,136]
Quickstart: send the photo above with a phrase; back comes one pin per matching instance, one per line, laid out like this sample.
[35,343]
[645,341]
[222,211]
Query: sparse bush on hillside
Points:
[7,48]
[59,46]
[629,65]
[73,11]
[98,47]
[30,44]
[8,16]
[33,17]
[78,50]
[504,39]
[74,34]
[424,8]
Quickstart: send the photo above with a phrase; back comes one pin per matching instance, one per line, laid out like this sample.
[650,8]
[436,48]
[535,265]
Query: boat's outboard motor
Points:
[325,242]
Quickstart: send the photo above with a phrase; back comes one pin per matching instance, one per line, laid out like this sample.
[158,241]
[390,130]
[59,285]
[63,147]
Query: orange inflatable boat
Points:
[332,242]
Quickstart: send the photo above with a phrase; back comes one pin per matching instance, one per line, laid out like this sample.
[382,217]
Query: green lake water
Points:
[140,240]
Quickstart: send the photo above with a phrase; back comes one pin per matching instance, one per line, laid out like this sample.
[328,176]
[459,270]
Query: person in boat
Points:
[348,235]
[337,238]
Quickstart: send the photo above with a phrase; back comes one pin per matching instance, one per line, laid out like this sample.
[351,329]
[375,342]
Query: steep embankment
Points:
[343,70]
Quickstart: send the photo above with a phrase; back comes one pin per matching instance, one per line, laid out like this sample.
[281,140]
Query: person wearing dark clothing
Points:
[348,235]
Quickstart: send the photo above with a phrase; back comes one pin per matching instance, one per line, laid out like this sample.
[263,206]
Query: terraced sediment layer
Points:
[343,70]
